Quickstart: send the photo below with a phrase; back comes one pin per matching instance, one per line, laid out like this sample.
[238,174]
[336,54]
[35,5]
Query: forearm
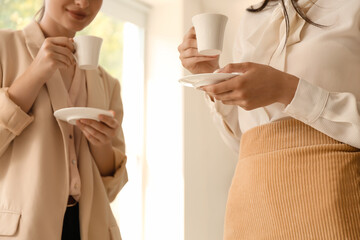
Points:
[24,90]
[104,159]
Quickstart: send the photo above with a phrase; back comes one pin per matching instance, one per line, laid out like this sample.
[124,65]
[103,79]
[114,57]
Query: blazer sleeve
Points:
[13,120]
[113,184]
[334,114]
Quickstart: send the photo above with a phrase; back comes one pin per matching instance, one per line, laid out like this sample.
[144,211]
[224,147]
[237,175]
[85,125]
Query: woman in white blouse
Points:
[296,110]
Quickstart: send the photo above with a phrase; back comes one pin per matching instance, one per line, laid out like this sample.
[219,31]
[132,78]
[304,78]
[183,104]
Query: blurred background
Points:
[179,168]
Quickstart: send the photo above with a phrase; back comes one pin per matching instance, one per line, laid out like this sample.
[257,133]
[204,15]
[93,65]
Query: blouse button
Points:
[70,136]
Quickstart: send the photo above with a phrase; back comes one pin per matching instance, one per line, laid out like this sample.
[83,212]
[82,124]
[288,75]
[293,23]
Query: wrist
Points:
[37,75]
[290,84]
[104,157]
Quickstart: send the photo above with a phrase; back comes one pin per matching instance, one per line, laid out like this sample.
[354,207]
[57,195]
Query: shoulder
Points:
[344,9]
[8,33]
[110,82]
[250,20]
[10,40]
[106,76]
[338,15]
[8,36]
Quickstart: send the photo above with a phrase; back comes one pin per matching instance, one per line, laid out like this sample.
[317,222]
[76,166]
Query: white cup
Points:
[87,51]
[209,28]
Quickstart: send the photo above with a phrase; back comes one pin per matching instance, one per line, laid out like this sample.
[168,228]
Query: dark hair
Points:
[40,13]
[297,8]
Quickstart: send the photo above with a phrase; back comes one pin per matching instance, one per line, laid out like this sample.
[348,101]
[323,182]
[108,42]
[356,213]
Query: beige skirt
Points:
[294,182]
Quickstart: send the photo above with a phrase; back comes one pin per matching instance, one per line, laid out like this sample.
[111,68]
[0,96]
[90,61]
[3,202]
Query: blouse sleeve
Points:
[13,120]
[225,118]
[113,184]
[334,114]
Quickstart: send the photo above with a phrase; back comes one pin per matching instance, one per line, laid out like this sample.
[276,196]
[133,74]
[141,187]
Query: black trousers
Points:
[71,225]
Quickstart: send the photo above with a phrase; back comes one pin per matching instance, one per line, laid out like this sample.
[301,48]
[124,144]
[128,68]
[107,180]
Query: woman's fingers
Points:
[190,57]
[58,50]
[193,53]
[98,126]
[94,139]
[190,34]
[237,67]
[66,52]
[186,44]
[64,42]
[62,59]
[224,87]
[90,132]
[188,62]
[188,47]
[259,85]
[106,127]
[109,121]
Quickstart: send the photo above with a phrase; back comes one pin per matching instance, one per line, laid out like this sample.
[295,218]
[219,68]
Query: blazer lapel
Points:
[96,90]
[34,38]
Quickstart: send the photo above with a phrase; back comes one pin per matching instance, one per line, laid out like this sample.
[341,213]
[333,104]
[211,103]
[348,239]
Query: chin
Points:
[76,27]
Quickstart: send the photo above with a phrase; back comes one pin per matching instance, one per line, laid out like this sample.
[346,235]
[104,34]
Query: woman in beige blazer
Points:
[293,116]
[56,179]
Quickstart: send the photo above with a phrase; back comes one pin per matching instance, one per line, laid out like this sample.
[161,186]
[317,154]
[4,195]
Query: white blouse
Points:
[326,59]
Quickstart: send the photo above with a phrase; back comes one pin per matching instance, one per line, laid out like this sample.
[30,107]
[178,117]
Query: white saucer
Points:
[72,114]
[203,79]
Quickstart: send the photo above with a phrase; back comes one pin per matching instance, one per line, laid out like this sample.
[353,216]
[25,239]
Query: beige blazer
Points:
[34,176]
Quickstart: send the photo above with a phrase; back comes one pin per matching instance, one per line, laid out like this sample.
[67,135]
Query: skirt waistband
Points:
[284,134]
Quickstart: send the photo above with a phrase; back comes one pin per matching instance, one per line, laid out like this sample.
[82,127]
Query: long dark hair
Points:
[297,8]
[40,14]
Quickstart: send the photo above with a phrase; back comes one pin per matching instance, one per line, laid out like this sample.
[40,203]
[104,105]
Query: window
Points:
[16,14]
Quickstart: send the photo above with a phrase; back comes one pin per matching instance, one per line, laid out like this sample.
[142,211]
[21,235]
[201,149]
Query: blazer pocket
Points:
[115,233]
[9,222]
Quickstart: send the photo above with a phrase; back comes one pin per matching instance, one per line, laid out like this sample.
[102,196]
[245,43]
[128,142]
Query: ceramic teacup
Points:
[87,51]
[209,28]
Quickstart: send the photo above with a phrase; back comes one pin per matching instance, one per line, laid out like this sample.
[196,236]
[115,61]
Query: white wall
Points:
[208,163]
[163,180]
[181,135]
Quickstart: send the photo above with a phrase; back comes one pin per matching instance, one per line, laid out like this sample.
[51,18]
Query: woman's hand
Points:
[258,86]
[99,133]
[192,60]
[55,53]
[100,136]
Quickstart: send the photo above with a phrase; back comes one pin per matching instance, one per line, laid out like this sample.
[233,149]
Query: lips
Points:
[78,15]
